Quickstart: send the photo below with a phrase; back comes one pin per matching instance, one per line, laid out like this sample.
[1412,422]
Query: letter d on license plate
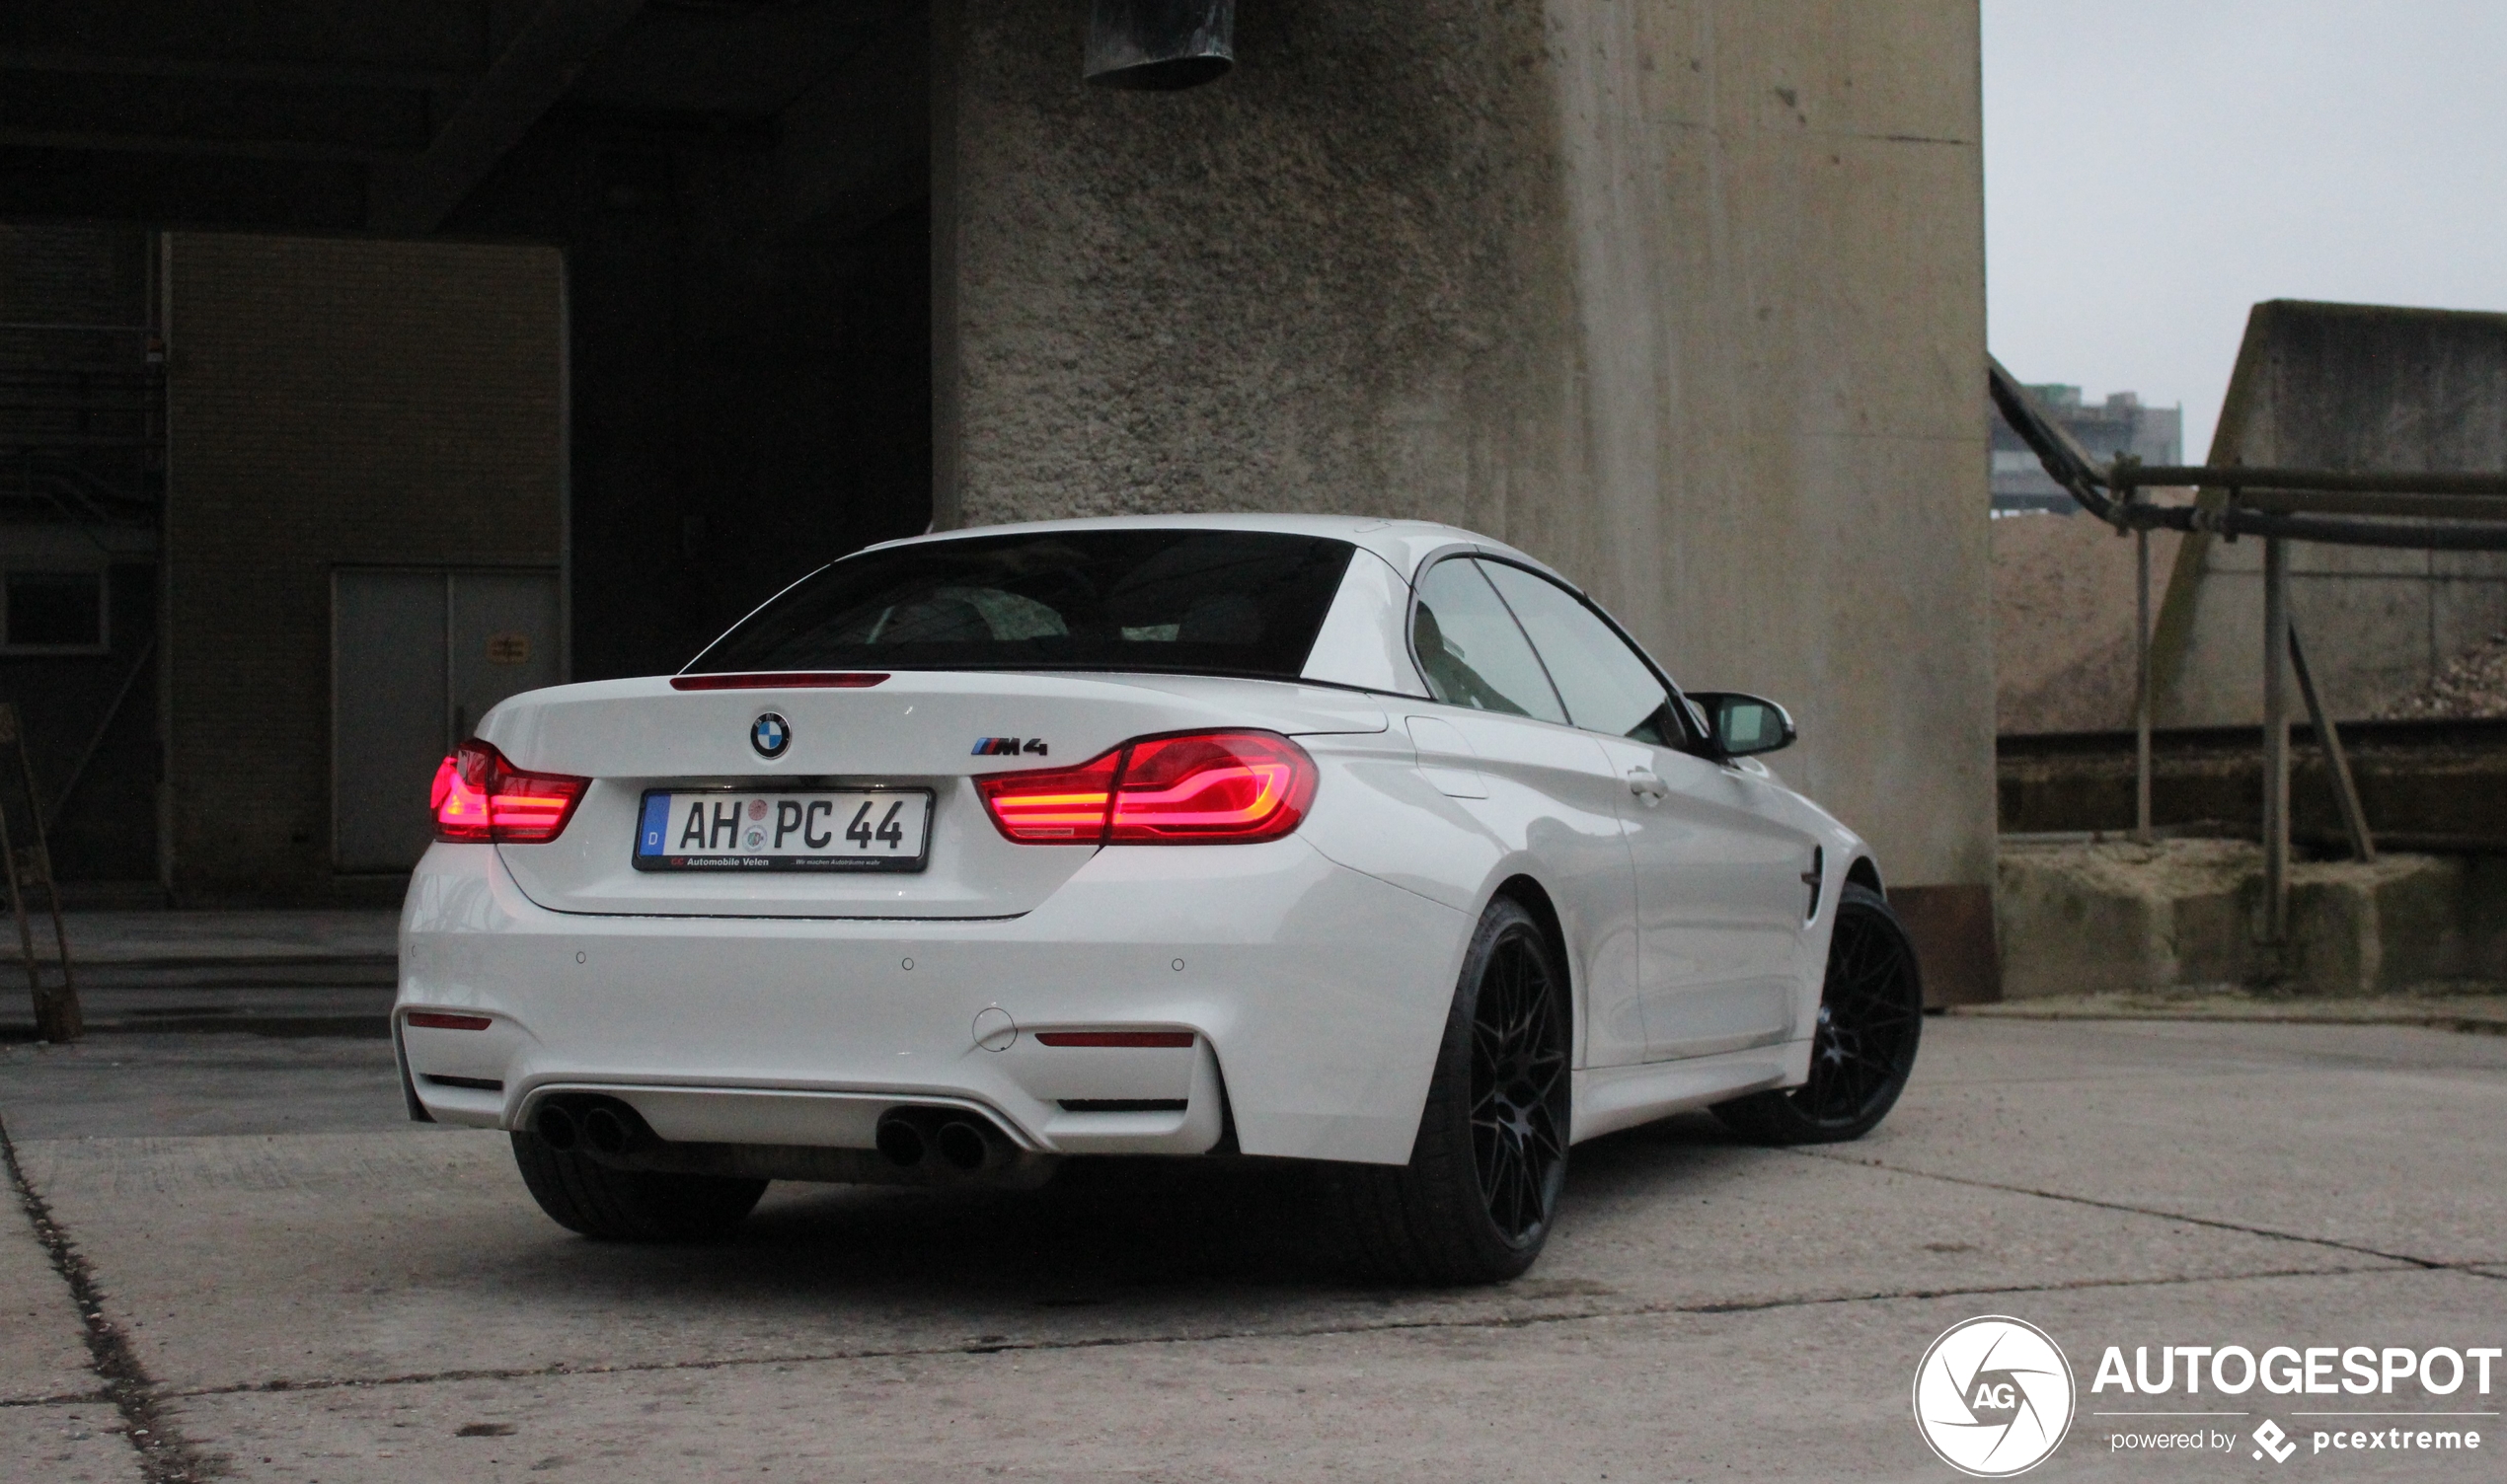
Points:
[817,830]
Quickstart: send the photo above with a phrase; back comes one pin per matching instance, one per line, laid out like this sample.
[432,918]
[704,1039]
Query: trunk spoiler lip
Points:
[779,680]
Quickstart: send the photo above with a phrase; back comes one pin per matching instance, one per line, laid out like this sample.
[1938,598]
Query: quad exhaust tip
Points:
[899,1139]
[963,1144]
[605,1131]
[557,1128]
[951,1140]
[601,1125]
[908,1137]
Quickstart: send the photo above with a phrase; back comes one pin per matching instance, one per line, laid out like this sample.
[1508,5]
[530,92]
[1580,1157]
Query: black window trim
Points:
[1690,741]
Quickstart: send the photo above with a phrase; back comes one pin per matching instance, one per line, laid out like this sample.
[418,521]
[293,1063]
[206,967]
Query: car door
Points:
[1721,900]
[1501,746]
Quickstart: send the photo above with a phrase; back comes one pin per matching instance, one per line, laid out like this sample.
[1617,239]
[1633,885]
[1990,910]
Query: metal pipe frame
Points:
[2141,688]
[2276,742]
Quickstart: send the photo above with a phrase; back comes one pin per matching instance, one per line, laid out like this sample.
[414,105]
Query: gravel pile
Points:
[2473,685]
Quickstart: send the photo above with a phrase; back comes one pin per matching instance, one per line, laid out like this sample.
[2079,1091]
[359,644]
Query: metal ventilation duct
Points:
[1159,46]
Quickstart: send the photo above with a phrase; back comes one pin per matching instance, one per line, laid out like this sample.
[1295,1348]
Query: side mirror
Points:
[1740,725]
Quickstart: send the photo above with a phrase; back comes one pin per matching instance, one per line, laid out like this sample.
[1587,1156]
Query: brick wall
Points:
[331,403]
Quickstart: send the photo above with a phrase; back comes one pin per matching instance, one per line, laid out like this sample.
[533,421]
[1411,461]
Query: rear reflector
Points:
[438,1020]
[1168,1038]
[779,680]
[480,797]
[1229,788]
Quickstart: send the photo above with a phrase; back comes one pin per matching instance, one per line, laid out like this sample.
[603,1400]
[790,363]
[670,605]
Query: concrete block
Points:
[2117,918]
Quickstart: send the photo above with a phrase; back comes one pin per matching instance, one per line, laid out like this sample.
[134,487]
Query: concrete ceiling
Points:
[379,115]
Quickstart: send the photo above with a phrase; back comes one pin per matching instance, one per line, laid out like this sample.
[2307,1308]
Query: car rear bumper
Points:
[1314,998]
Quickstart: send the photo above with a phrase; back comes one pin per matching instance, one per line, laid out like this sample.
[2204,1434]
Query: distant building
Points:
[2156,435]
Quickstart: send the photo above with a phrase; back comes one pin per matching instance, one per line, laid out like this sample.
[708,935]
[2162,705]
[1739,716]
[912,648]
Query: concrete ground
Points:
[295,1284]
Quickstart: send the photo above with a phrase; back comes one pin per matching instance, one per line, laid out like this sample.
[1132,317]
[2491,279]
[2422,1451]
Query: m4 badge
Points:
[1009,747]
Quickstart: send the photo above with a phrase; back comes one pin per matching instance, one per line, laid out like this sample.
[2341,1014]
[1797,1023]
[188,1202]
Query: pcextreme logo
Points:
[1994,1396]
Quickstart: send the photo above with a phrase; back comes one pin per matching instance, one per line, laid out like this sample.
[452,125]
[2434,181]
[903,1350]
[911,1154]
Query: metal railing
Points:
[2423,510]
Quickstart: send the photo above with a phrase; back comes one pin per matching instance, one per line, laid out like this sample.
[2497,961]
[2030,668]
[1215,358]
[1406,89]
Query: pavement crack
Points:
[2429,1263]
[164,1457]
[1214,1337]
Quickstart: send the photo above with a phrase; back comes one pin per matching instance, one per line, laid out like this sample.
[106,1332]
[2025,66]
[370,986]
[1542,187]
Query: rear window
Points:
[1210,602]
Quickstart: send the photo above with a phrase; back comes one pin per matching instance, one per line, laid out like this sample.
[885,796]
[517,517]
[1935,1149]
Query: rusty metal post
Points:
[2276,740]
[2141,686]
[56,1012]
[2354,819]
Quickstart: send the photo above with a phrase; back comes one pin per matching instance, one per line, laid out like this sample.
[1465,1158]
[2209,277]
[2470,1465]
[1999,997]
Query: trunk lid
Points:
[913,730]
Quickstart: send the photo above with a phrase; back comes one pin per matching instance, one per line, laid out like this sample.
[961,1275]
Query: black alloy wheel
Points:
[1519,1087]
[1863,1051]
[1479,1194]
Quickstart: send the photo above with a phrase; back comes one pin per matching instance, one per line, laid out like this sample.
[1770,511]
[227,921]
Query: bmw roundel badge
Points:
[770,734]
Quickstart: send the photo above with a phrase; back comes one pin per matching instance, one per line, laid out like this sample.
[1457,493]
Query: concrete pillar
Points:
[1688,301]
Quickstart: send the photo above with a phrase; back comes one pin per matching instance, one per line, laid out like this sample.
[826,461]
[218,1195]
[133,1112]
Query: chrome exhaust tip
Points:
[556,1128]
[963,1144]
[899,1139]
[605,1131]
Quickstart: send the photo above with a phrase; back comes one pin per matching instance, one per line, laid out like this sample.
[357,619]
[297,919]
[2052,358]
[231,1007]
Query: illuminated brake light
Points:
[481,797]
[1053,806]
[1135,1038]
[1229,788]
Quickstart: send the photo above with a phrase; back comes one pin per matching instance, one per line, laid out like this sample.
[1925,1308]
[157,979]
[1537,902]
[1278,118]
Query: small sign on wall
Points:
[510,648]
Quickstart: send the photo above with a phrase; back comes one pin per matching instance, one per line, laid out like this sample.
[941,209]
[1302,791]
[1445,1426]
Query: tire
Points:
[1870,1018]
[614,1204]
[1477,1198]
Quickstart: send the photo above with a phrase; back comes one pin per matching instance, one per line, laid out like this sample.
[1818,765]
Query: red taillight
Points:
[1197,788]
[779,680]
[1053,806]
[479,796]
[1212,787]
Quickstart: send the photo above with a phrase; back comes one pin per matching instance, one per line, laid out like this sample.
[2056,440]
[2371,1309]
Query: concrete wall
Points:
[331,403]
[2362,388]
[1685,299]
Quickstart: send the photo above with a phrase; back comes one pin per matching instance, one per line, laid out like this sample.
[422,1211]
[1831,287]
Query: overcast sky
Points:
[2153,167]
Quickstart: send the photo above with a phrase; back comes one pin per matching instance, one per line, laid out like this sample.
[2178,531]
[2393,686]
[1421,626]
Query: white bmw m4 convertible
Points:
[1366,842]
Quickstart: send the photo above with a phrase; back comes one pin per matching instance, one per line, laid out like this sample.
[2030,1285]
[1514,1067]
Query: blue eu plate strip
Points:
[657,823]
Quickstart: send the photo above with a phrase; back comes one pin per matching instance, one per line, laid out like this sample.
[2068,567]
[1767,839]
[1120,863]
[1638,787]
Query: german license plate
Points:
[818,830]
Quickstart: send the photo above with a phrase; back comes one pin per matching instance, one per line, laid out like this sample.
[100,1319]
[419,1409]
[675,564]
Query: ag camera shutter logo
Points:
[1994,1396]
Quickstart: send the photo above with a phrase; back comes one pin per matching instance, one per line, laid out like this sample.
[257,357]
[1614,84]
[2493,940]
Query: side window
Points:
[1607,685]
[1471,650]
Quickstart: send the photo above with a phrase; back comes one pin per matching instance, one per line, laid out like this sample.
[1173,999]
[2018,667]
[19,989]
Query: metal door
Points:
[418,657]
